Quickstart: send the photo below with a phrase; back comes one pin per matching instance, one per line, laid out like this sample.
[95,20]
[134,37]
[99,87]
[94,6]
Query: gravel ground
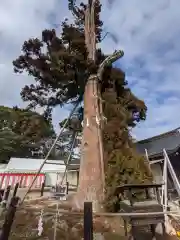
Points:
[69,226]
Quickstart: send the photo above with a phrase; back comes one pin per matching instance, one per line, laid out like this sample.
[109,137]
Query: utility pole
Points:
[91,177]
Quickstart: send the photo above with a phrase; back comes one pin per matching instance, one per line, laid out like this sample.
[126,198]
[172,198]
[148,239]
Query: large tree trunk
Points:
[91,175]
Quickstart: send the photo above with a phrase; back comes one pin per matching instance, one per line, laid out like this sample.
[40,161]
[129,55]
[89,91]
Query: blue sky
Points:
[147,31]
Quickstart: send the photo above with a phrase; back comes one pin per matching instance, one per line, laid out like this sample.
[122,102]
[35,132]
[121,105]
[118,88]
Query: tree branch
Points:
[109,61]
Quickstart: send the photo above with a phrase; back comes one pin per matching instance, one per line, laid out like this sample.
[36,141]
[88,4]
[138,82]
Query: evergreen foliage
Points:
[60,68]
[122,163]
[22,132]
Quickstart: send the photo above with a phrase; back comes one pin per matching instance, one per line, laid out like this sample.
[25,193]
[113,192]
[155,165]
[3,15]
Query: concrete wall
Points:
[72,178]
[52,178]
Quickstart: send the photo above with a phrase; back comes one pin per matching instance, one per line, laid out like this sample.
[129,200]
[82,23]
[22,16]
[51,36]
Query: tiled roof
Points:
[155,145]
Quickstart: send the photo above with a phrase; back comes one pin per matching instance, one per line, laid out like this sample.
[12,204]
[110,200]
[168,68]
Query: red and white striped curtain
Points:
[24,179]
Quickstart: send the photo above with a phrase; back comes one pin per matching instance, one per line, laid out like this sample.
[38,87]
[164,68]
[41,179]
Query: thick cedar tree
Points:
[60,68]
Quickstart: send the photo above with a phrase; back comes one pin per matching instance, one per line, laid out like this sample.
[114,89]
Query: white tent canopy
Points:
[52,169]
[33,165]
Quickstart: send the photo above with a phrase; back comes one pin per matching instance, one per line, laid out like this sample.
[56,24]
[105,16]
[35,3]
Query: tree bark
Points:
[91,176]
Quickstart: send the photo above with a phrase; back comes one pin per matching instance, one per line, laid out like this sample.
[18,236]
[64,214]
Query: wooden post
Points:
[158,195]
[67,189]
[88,221]
[153,230]
[147,193]
[77,178]
[42,188]
[130,196]
[15,189]
[6,228]
[6,195]
[1,194]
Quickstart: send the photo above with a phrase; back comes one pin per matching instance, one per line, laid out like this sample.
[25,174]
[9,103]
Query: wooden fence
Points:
[10,215]
[155,216]
[11,207]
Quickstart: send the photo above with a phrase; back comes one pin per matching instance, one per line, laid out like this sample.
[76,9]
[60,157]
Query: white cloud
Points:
[19,21]
[148,32]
